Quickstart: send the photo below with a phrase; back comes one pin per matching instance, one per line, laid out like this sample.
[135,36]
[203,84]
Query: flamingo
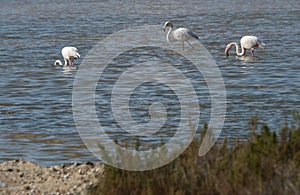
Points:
[247,42]
[179,34]
[69,54]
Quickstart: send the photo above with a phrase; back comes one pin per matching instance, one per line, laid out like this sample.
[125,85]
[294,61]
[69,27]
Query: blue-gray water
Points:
[36,119]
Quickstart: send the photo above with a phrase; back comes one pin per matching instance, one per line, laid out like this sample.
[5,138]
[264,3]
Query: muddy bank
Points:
[20,177]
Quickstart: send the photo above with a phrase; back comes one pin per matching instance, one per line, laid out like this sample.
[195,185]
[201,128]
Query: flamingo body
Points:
[247,43]
[69,54]
[179,34]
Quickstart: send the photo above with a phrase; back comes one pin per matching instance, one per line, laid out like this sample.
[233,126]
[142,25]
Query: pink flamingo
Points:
[247,42]
[179,34]
[69,54]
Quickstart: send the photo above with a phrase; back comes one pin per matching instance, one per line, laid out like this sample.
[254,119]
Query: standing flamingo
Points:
[247,42]
[69,54]
[180,34]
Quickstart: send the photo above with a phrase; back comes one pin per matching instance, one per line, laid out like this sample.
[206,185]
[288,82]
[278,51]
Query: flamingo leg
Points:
[190,44]
[182,45]
[252,52]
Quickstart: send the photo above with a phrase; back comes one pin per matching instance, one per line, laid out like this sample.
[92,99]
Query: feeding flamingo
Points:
[247,42]
[69,54]
[179,34]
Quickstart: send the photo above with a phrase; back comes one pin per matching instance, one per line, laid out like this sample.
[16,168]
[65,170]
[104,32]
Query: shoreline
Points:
[25,177]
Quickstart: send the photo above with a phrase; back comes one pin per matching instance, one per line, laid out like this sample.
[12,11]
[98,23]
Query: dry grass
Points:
[268,163]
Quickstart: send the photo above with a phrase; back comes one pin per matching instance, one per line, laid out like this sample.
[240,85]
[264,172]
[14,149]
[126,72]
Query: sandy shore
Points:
[20,177]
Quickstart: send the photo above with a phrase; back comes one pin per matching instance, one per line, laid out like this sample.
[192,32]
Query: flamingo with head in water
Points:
[179,34]
[69,54]
[247,43]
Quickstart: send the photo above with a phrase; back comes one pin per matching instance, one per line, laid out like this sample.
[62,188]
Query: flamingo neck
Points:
[237,49]
[170,37]
[58,63]
[66,62]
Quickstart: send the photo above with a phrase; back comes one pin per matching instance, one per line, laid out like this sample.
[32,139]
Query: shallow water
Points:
[36,118]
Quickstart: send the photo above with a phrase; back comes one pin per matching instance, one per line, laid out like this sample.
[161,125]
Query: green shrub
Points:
[268,163]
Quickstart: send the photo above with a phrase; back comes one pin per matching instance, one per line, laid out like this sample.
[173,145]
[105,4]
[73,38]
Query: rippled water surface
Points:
[36,118]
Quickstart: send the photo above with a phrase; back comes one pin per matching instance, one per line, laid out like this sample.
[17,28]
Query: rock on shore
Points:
[20,177]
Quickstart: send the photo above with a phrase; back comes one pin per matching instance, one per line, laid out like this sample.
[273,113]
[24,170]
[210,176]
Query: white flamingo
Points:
[69,54]
[179,34]
[247,42]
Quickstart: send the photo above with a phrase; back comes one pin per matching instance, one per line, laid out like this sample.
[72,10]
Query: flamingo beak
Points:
[226,51]
[164,28]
